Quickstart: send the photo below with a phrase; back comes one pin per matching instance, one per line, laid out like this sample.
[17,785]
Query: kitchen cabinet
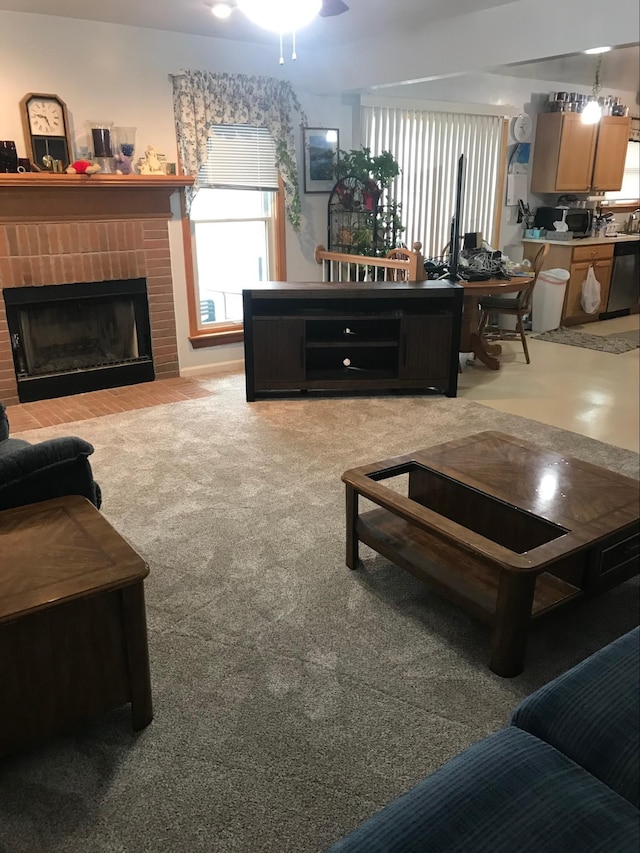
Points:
[577,259]
[570,156]
[572,310]
[611,153]
[341,336]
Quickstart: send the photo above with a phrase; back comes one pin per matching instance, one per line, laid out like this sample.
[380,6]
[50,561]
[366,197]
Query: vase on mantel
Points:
[124,141]
[102,145]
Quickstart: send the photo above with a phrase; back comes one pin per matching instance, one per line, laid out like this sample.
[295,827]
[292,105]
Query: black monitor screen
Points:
[456,222]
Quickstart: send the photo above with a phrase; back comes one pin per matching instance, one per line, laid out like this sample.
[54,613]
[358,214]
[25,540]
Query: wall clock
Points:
[46,129]
[521,127]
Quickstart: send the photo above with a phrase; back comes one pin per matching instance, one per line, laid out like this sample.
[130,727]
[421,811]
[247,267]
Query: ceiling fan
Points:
[330,8]
[271,13]
[281,16]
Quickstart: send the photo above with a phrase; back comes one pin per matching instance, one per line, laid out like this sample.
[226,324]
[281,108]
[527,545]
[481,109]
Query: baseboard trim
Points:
[235,366]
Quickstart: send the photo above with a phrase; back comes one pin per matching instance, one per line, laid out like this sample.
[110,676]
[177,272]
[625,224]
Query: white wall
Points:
[110,72]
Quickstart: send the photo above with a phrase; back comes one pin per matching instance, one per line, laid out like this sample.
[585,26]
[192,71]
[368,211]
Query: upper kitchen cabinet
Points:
[611,153]
[570,156]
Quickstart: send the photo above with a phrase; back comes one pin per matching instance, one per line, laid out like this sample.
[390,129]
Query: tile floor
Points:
[592,393]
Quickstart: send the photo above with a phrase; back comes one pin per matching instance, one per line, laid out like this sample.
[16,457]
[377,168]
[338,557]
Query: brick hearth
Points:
[109,238]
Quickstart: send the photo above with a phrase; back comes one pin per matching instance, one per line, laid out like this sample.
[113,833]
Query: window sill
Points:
[625,206]
[216,339]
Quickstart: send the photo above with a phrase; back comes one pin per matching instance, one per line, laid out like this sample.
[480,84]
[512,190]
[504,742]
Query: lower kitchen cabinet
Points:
[572,310]
[346,337]
[577,258]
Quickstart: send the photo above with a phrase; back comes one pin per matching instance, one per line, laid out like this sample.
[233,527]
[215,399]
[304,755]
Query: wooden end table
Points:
[507,530]
[73,636]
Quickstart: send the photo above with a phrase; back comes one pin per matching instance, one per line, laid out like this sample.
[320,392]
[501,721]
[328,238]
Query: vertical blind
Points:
[427,146]
[240,157]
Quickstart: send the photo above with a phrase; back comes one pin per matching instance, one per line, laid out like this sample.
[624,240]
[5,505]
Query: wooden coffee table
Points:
[73,637]
[505,529]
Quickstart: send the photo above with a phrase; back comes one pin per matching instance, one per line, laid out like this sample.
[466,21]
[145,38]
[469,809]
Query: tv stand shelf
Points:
[348,337]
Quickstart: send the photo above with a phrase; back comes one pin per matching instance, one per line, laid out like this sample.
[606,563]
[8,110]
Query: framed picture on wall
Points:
[320,145]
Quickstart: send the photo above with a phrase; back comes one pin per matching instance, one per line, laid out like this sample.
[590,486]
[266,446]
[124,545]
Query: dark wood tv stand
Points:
[350,336]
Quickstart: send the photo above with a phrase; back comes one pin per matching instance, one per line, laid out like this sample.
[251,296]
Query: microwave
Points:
[578,219]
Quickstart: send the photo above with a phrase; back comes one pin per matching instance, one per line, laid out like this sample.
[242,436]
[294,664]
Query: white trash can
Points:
[548,298]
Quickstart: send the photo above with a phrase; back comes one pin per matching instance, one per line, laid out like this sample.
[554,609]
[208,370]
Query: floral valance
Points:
[202,99]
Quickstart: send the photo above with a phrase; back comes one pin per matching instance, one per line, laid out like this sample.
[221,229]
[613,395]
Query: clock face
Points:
[46,117]
[521,129]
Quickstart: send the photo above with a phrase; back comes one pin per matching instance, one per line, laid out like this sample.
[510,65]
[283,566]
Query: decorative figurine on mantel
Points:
[83,167]
[150,163]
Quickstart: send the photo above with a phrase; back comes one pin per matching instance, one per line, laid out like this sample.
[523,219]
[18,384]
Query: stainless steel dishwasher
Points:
[624,293]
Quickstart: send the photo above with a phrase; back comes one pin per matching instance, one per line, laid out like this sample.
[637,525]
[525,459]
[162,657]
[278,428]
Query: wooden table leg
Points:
[137,650]
[470,340]
[479,349]
[511,623]
[352,517]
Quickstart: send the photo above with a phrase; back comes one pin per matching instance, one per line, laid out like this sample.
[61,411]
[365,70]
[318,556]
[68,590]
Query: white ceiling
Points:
[365,18]
[620,69]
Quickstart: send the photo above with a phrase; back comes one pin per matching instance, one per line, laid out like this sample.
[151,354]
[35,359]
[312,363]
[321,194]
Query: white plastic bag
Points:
[590,299]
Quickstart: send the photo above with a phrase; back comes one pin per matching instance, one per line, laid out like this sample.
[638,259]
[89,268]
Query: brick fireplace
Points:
[72,229]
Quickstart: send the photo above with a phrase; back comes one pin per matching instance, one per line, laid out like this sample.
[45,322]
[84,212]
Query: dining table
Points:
[470,338]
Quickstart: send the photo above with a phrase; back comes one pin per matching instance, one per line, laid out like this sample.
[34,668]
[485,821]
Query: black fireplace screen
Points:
[79,337]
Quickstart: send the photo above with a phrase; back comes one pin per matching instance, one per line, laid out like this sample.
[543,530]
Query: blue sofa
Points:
[30,473]
[562,776]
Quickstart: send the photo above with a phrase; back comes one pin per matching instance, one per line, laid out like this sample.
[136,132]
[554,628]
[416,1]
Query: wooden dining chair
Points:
[518,307]
[398,254]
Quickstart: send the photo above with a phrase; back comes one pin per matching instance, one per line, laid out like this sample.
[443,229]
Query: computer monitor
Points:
[456,223]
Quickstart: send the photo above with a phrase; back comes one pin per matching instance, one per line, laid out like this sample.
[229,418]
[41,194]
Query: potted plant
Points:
[375,172]
[359,163]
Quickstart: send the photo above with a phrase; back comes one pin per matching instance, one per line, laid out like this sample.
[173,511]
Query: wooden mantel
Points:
[43,196]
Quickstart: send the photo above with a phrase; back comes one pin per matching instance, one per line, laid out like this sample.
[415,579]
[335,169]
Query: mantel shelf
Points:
[49,180]
[47,197]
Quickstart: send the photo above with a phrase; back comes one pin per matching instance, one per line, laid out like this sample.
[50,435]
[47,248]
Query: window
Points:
[233,245]
[427,146]
[630,189]
[236,236]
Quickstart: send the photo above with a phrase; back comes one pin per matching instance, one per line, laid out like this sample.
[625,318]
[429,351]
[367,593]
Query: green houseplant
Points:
[364,225]
[380,169]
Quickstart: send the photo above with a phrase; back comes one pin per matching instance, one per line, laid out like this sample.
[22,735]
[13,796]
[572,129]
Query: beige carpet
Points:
[293,697]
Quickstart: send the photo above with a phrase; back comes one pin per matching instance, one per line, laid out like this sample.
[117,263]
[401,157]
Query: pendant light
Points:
[592,113]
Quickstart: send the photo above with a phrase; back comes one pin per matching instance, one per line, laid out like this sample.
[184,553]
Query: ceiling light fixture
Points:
[278,16]
[221,10]
[597,50]
[592,113]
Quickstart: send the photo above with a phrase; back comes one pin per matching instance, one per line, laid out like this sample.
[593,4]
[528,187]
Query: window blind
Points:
[427,145]
[240,157]
[630,189]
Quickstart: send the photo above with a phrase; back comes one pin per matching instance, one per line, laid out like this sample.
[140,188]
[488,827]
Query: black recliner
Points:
[50,469]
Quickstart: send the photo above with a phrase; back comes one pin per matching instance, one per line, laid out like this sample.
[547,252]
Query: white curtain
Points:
[427,146]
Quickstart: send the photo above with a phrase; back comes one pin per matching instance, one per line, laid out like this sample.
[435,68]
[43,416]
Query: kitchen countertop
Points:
[585,241]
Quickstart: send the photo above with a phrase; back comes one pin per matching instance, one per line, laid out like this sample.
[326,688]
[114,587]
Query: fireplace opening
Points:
[71,338]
